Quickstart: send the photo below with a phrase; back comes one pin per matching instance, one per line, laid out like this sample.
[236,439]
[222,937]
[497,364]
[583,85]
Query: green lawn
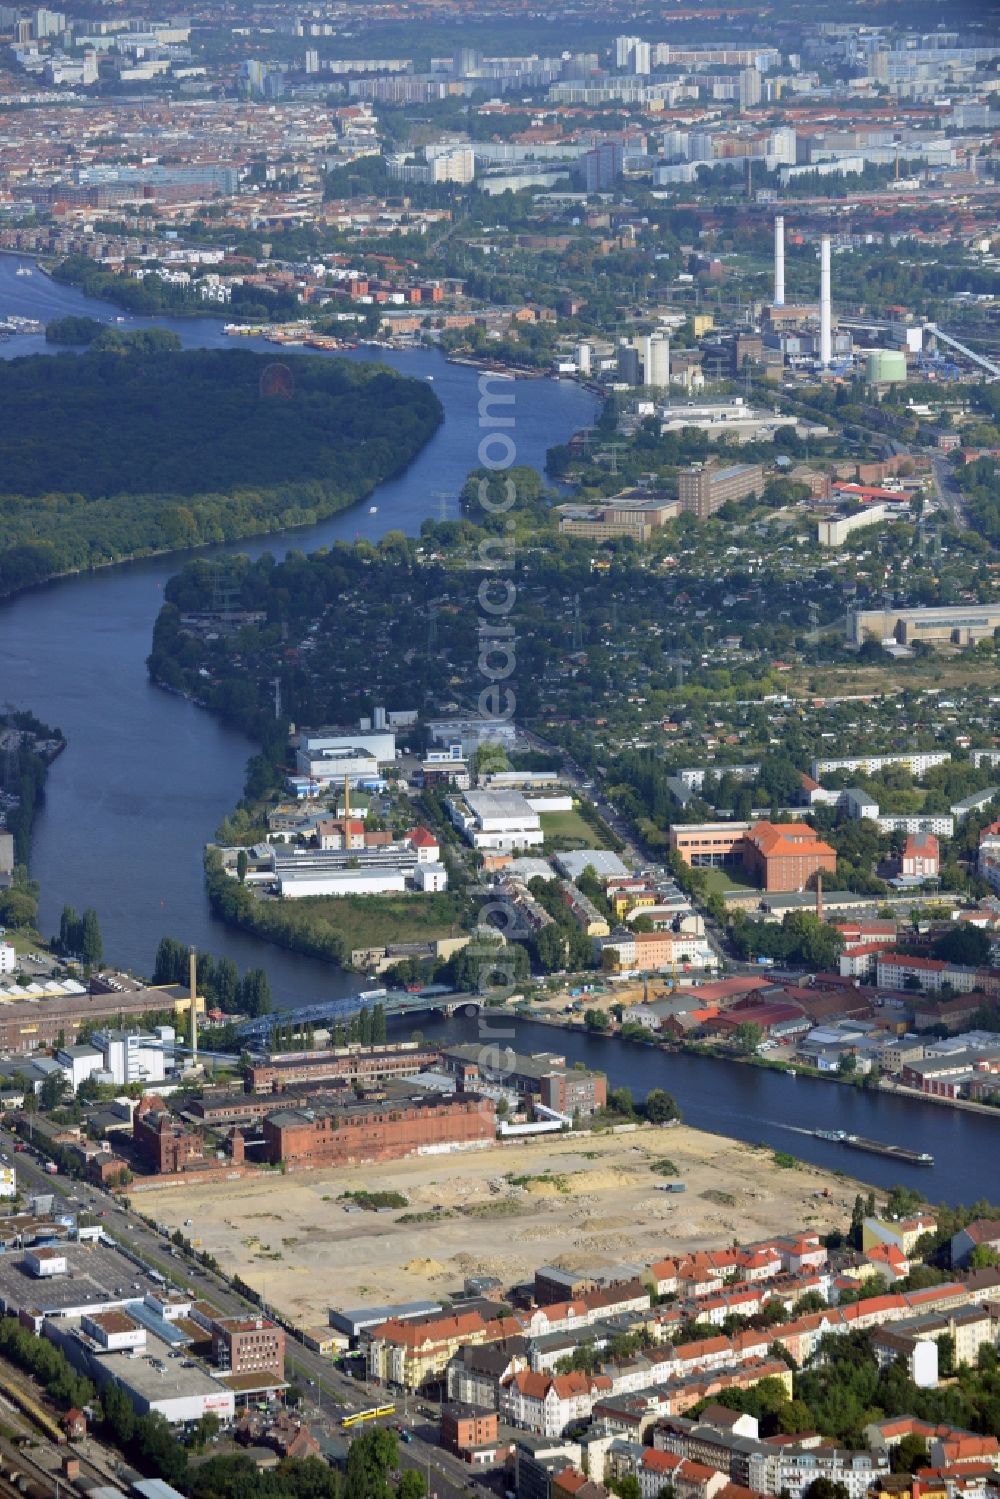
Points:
[376,920]
[721,881]
[568,830]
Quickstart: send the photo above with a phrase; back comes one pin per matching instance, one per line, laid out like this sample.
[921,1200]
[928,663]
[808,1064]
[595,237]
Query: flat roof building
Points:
[954,624]
[704,490]
[497,820]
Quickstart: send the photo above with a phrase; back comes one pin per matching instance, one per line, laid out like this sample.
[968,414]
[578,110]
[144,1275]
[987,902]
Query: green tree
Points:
[826,1488]
[18,908]
[747,1036]
[909,1454]
[964,944]
[69,931]
[91,946]
[242,863]
[226,983]
[660,1106]
[52,1091]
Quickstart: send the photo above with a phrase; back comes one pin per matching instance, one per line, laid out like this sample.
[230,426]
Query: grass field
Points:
[375,920]
[720,881]
[939,670]
[568,830]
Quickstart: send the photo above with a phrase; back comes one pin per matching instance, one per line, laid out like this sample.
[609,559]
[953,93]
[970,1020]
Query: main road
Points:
[328,1393]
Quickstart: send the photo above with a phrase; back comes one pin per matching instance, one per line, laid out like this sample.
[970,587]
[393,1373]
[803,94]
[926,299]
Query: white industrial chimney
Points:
[779,261]
[825,336]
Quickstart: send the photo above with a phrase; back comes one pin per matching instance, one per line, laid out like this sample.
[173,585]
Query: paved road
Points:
[948,493]
[327,1390]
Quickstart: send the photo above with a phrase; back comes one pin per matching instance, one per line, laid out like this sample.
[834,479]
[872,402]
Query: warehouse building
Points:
[385,1129]
[953,624]
[497,820]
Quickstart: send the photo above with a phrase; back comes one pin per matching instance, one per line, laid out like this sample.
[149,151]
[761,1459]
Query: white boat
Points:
[23,270]
[430,377]
[373,510]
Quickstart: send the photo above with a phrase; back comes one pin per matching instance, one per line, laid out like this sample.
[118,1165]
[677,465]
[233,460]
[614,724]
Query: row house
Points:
[791,1469]
[727,1451]
[548,1403]
[410,1354]
[685,1479]
[703,1274]
[477,1371]
[686,1393]
[663,1274]
[975,1481]
[760,1262]
[800,1252]
[617,1300]
[558,1316]
[734,1301]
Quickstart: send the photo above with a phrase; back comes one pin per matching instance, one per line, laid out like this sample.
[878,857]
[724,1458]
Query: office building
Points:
[634,517]
[249,1345]
[704,490]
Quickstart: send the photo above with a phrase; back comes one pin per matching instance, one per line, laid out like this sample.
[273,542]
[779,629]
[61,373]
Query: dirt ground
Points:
[576,1201]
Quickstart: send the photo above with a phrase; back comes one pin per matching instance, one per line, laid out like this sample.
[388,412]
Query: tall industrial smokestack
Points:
[825,335]
[193,983]
[779,261]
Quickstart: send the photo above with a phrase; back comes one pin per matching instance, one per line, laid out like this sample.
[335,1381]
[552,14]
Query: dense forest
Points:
[159,450]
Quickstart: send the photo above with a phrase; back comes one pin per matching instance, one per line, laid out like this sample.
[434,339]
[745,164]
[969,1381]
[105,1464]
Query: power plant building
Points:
[885,367]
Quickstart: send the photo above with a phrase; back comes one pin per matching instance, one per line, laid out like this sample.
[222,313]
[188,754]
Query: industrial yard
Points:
[575,1200]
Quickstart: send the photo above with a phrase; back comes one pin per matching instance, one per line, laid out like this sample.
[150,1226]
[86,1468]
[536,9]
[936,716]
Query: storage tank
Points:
[885,367]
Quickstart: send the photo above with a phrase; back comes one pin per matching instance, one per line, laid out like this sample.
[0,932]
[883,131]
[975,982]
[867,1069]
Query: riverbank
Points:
[234,444]
[577,1200]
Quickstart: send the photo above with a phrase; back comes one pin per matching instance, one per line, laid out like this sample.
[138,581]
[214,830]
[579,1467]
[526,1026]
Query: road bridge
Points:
[393,1002]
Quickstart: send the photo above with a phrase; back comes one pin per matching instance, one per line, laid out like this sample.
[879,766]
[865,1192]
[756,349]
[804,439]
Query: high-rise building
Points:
[312,60]
[641,59]
[624,47]
[253,73]
[49,23]
[825,313]
[750,88]
[602,166]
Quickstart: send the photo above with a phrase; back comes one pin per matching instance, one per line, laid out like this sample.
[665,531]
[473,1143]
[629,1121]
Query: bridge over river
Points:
[393,1001]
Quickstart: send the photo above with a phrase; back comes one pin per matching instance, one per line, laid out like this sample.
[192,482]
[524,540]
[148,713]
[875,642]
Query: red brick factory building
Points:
[381,1129]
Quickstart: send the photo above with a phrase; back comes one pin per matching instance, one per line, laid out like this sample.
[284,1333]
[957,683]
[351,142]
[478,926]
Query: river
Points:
[147,777]
[770,1108]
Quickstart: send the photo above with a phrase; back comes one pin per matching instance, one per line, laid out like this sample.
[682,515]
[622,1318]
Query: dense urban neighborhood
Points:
[500,961]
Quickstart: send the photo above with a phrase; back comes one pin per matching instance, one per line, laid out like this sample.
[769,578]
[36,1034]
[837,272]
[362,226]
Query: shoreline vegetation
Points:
[240,445]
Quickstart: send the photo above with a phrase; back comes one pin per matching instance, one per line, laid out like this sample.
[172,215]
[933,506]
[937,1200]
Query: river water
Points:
[147,777]
[771,1108]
